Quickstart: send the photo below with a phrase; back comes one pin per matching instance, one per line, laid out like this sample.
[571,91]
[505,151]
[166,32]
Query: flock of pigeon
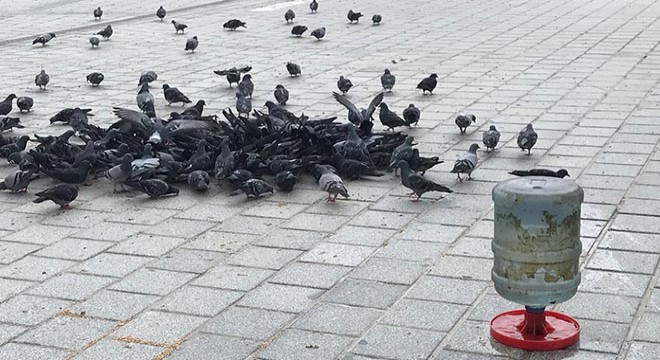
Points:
[248,149]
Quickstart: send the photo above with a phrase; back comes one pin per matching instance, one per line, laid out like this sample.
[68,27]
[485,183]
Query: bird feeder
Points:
[536,251]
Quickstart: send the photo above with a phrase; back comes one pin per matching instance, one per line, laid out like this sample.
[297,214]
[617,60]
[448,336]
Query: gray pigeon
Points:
[387,80]
[527,139]
[98,13]
[561,173]
[44,39]
[94,41]
[289,15]
[243,105]
[145,101]
[411,115]
[354,16]
[353,147]
[95,78]
[191,44]
[464,120]
[389,118]
[376,19]
[61,194]
[358,116]
[318,33]
[17,182]
[402,152]
[8,123]
[254,188]
[24,103]
[293,69]
[78,120]
[179,27]
[155,188]
[281,94]
[298,30]
[246,87]
[42,79]
[161,12]
[344,84]
[199,180]
[225,162]
[106,33]
[173,95]
[119,174]
[331,182]
[417,183]
[6,104]
[314,6]
[491,138]
[465,163]
[147,76]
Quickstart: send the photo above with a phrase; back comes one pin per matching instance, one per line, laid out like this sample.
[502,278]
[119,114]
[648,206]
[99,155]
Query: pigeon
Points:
[314,6]
[356,116]
[411,114]
[389,118]
[293,69]
[8,123]
[417,183]
[402,152]
[6,104]
[289,15]
[561,173]
[106,33]
[13,147]
[331,182]
[237,177]
[527,139]
[161,12]
[155,188]
[199,180]
[234,74]
[200,160]
[285,180]
[191,44]
[353,16]
[254,188]
[246,87]
[72,175]
[173,95]
[243,105]
[95,78]
[17,182]
[145,101]
[298,30]
[24,103]
[344,84]
[195,110]
[353,147]
[42,79]
[179,27]
[78,119]
[491,138]
[281,94]
[376,19]
[94,41]
[65,114]
[61,194]
[422,164]
[318,33]
[119,174]
[428,84]
[98,13]
[147,76]
[464,120]
[233,24]
[44,39]
[225,162]
[387,80]
[465,163]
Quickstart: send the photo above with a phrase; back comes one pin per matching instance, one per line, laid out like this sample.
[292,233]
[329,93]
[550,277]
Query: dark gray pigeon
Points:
[199,180]
[6,104]
[98,13]
[464,120]
[18,181]
[246,86]
[402,152]
[179,27]
[389,118]
[161,12]
[78,120]
[145,101]
[356,116]
[285,180]
[239,176]
[24,103]
[298,30]
[72,175]
[491,138]
[417,183]
[561,173]
[281,94]
[15,146]
[61,194]
[428,84]
[254,188]
[155,188]
[344,84]
[243,105]
[289,15]
[354,16]
[331,182]
[314,6]
[465,163]
[376,19]
[147,76]
[293,69]
[411,114]
[95,78]
[233,24]
[318,33]
[200,160]
[225,162]
[191,44]
[106,33]
[353,147]
[42,79]
[94,41]
[44,39]
[387,80]
[119,174]
[234,74]
[8,123]
[173,95]
[195,110]
[527,139]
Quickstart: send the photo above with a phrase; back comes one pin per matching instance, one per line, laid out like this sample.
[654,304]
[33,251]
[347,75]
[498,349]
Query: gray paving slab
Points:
[250,323]
[67,332]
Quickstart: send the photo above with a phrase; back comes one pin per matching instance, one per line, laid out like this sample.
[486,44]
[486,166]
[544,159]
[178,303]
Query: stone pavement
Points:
[208,276]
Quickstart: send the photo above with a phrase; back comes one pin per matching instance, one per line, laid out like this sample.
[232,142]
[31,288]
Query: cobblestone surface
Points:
[375,277]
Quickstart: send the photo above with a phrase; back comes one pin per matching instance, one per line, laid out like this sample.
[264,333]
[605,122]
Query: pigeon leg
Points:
[410,194]
[419,198]
[459,177]
[66,207]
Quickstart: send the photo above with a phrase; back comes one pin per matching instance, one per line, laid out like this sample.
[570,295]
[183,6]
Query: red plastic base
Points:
[535,331]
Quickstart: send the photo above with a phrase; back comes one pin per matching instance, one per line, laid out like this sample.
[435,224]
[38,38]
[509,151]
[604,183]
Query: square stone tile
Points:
[233,277]
[390,271]
[456,355]
[77,218]
[114,305]
[113,349]
[419,251]
[198,301]
[648,328]
[74,249]
[209,346]
[179,228]
[67,332]
[8,332]
[147,245]
[257,324]
[608,282]
[423,314]
[316,222]
[474,337]
[12,251]
[143,216]
[491,305]
[365,293]
[290,239]
[209,212]
[310,275]
[398,342]
[9,287]
[636,223]
[382,219]
[281,297]
[40,234]
[31,352]
[109,231]
[262,257]
[30,310]
[337,254]
[71,286]
[461,267]
[612,308]
[257,225]
[281,210]
[117,265]
[643,351]
[224,242]
[431,232]
[357,235]
[160,327]
[338,319]
[447,289]
[602,336]
[186,260]
[624,261]
[305,345]
[620,240]
[153,281]
[34,268]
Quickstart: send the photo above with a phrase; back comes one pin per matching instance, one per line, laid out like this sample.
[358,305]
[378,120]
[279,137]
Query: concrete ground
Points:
[208,276]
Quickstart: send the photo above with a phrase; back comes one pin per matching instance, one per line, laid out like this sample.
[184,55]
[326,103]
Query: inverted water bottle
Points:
[536,249]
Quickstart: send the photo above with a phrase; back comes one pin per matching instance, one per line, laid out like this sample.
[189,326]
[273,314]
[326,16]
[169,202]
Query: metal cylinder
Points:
[536,244]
